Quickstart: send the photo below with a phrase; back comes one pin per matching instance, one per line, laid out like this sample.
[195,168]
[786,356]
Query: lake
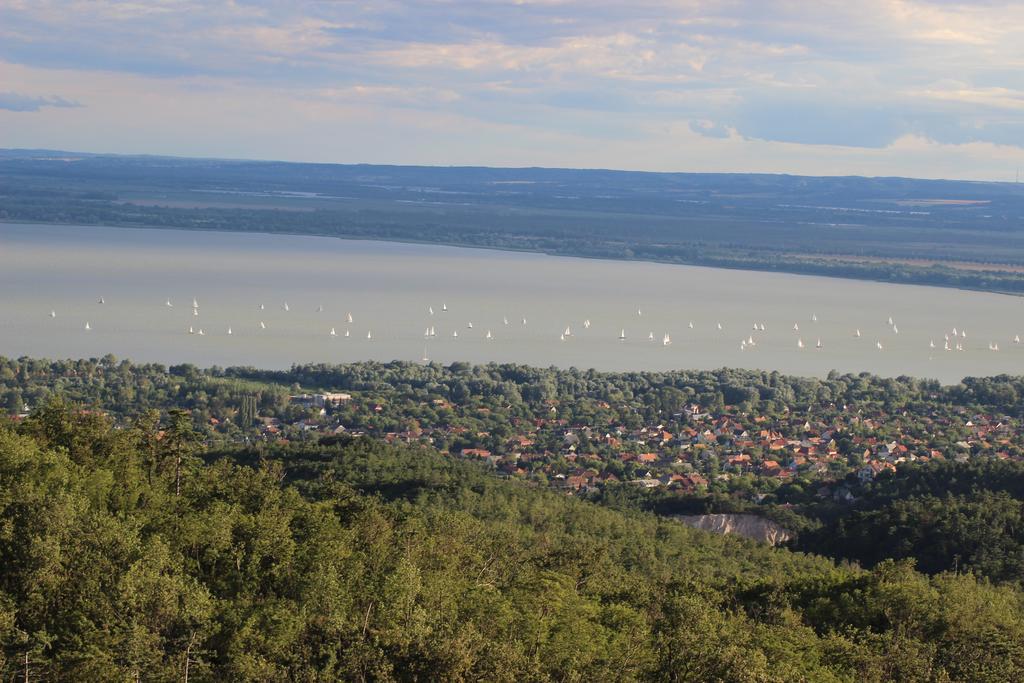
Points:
[389,288]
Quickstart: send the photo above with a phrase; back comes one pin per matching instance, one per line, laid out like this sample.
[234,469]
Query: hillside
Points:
[129,551]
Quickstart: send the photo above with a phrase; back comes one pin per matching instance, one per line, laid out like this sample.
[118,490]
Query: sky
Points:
[921,88]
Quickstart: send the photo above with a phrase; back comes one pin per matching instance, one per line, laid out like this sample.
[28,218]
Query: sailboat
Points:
[190,330]
[666,340]
[586,324]
[639,313]
[102,301]
[488,335]
[879,345]
[229,332]
[333,332]
[195,311]
[945,346]
[718,325]
[818,345]
[348,318]
[348,333]
[455,334]
[369,335]
[963,334]
[430,310]
[524,322]
[568,331]
[504,320]
[201,333]
[754,327]
[650,336]
[561,337]
[87,327]
[743,345]
[469,325]
[931,344]
[895,330]
[263,325]
[195,303]
[444,307]
[320,308]
[169,304]
[433,333]
[1016,339]
[762,327]
[262,307]
[890,320]
[53,314]
[425,359]
[799,343]
[857,333]
[286,309]
[796,327]
[622,335]
[691,325]
[426,333]
[814,318]
[750,341]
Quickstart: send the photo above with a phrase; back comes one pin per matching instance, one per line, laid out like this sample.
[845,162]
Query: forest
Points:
[137,553]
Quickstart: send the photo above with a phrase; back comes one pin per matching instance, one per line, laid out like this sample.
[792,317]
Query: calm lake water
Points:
[388,288]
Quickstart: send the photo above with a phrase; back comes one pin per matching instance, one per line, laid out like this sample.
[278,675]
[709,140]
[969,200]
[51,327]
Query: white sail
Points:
[799,343]
[190,330]
[750,340]
[348,318]
[369,335]
[762,327]
[504,320]
[819,344]
[586,324]
[488,335]
[262,307]
[814,318]
[469,326]
[796,327]
[195,311]
[169,304]
[286,309]
[561,337]
[87,326]
[195,303]
[879,345]
[568,331]
[229,332]
[430,310]
[622,335]
[201,333]
[895,330]
[433,332]
[931,343]
[857,333]
[333,332]
[1016,339]
[348,333]
[691,325]
[53,314]
[455,334]
[444,307]
[718,325]
[320,308]
[102,300]
[524,322]
[263,325]
[650,336]
[890,320]
[666,340]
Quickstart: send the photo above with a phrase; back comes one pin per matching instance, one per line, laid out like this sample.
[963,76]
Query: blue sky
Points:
[929,88]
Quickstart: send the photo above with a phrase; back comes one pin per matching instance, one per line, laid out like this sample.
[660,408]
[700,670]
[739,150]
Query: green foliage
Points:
[360,561]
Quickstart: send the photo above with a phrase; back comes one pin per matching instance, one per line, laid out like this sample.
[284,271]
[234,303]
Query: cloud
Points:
[811,73]
[11,101]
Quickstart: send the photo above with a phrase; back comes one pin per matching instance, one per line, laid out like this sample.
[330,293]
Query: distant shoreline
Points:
[751,267]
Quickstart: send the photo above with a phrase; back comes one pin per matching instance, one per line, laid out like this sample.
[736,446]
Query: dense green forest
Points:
[132,553]
[888,229]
